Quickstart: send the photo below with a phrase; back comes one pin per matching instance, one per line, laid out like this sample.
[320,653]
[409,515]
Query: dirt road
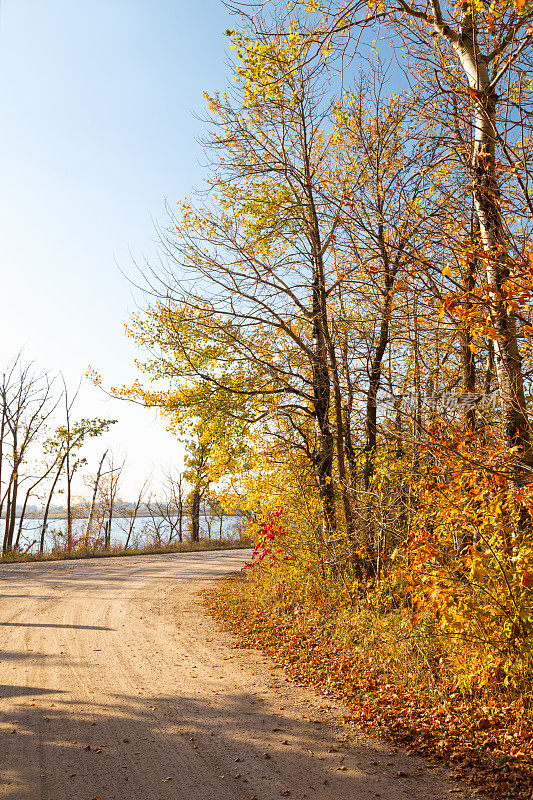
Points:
[114,685]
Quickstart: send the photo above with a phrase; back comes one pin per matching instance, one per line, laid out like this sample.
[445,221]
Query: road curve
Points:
[115,686]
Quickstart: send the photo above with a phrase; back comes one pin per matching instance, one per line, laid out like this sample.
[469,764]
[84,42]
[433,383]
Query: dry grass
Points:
[180,547]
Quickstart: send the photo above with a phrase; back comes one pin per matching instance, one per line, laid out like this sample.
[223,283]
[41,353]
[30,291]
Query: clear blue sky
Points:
[98,129]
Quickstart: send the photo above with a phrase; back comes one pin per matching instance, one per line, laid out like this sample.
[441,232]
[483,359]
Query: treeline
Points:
[38,457]
[42,459]
[122,510]
[342,320]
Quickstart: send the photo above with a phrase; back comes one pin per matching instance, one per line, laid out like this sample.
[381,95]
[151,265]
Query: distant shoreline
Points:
[122,515]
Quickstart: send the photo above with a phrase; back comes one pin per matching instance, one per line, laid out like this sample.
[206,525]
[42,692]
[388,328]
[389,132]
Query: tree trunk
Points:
[468,361]
[349,449]
[69,501]
[132,521]
[7,520]
[21,519]
[320,369]
[375,380]
[508,361]
[95,490]
[13,516]
[195,514]
[489,367]
[325,444]
[48,503]
[2,433]
[417,410]
[110,522]
[486,195]
[11,510]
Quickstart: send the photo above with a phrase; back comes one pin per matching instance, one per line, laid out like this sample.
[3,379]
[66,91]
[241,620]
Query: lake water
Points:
[143,532]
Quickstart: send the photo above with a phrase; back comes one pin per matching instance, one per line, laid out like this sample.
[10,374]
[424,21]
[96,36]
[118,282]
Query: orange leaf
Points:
[527,580]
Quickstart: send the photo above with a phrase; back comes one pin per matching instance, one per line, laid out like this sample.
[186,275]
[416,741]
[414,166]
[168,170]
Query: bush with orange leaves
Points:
[467,562]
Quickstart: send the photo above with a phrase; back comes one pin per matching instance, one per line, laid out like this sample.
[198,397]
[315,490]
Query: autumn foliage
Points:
[344,322]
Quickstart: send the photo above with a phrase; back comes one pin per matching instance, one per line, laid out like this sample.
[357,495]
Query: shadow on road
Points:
[55,625]
[178,748]
[7,691]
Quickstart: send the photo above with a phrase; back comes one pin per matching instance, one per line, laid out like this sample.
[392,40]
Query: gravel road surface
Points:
[114,685]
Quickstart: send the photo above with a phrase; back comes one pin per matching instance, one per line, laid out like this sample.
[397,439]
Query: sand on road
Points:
[115,685]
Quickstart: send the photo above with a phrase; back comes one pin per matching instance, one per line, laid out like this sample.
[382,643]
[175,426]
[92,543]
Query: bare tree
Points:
[171,506]
[93,500]
[28,402]
[109,488]
[134,512]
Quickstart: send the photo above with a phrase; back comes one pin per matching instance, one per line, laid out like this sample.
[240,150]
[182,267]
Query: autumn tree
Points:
[261,258]
[474,64]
